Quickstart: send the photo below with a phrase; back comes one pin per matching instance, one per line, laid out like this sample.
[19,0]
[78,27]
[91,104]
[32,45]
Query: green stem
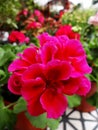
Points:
[10,105]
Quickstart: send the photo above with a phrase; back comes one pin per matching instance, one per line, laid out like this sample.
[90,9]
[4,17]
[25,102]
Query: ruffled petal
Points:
[34,106]
[54,103]
[15,84]
[33,72]
[43,38]
[80,68]
[47,52]
[58,70]
[18,64]
[32,88]
[70,86]
[29,55]
[84,86]
[73,49]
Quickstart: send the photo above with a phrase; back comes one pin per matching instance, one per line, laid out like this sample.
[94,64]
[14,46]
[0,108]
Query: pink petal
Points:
[14,84]
[18,64]
[60,45]
[34,106]
[32,88]
[70,86]
[54,103]
[58,70]
[63,39]
[84,86]
[73,49]
[29,55]
[33,72]
[80,68]
[43,38]
[47,52]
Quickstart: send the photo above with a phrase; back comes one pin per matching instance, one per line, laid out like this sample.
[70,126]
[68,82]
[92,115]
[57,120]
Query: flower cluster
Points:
[67,30]
[44,75]
[35,20]
[18,37]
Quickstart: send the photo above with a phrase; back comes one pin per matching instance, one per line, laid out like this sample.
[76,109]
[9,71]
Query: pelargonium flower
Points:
[93,20]
[37,14]
[44,75]
[22,13]
[14,83]
[16,36]
[33,25]
[67,30]
[35,20]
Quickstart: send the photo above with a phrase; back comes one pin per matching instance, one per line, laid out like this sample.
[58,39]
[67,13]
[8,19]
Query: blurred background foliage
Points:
[9,10]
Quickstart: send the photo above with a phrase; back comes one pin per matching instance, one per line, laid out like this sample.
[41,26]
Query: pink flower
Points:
[25,12]
[33,25]
[22,13]
[67,30]
[93,20]
[39,16]
[48,73]
[36,20]
[16,36]
[46,81]
[14,83]
[27,58]
[27,39]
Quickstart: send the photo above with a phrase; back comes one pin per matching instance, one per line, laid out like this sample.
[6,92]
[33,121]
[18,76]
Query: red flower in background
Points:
[39,16]
[67,30]
[16,36]
[33,25]
[35,21]
[62,12]
[48,73]
[22,13]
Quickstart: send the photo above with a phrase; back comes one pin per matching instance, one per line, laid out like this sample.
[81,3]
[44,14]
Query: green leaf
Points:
[7,117]
[20,106]
[7,55]
[42,121]
[1,103]
[2,76]
[93,100]
[74,101]
[1,53]
[53,123]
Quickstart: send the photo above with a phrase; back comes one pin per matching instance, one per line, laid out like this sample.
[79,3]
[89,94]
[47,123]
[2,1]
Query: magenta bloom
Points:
[67,30]
[44,75]
[16,36]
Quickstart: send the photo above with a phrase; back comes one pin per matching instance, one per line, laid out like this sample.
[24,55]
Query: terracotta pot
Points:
[85,106]
[24,124]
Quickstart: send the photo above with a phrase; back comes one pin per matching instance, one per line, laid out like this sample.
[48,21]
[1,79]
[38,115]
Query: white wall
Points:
[41,2]
[85,3]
